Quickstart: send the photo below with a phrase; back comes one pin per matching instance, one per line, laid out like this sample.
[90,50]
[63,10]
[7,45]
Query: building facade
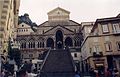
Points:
[8,22]
[100,50]
[86,28]
[56,33]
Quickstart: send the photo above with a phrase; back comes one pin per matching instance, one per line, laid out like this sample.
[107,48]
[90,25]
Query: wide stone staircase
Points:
[58,63]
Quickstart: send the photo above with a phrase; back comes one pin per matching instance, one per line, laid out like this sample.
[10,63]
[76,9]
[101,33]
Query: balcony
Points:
[97,54]
[113,53]
[116,32]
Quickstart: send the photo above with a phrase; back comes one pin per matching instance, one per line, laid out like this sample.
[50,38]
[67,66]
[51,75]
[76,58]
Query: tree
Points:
[16,56]
[10,54]
[14,53]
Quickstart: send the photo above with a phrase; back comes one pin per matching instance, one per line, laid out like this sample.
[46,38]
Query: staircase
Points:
[58,63]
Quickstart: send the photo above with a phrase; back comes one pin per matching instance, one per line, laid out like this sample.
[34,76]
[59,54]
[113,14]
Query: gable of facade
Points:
[62,23]
[46,26]
[58,14]
[54,30]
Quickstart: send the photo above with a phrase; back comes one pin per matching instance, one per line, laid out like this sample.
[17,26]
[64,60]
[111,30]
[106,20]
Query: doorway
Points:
[59,39]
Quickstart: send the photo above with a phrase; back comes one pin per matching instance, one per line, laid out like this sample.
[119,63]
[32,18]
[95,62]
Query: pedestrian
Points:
[92,72]
[29,66]
[108,73]
[115,72]
[22,73]
[7,73]
[2,73]
[77,74]
[96,73]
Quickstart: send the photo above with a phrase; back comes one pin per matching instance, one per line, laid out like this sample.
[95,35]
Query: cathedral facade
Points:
[56,33]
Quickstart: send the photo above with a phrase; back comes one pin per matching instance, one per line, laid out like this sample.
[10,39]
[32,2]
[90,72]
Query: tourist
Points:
[2,73]
[77,74]
[96,73]
[108,73]
[115,73]
[22,73]
[92,72]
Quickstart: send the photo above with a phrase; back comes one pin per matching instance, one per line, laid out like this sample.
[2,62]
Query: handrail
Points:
[45,60]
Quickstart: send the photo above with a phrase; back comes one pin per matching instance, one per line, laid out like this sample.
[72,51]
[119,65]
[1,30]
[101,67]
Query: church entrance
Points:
[59,39]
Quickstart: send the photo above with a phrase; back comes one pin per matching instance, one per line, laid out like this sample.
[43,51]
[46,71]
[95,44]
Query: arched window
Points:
[33,44]
[29,45]
[75,43]
[77,40]
[43,44]
[38,45]
[23,45]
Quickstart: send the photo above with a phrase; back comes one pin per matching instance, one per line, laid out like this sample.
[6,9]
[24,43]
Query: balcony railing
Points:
[113,53]
[116,31]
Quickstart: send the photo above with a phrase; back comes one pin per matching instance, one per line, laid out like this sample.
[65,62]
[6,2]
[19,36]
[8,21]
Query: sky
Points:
[80,10]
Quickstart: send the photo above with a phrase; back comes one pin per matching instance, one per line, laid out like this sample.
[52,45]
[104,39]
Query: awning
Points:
[99,64]
[36,61]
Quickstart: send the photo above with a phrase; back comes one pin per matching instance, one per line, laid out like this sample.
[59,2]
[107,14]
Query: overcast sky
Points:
[80,10]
